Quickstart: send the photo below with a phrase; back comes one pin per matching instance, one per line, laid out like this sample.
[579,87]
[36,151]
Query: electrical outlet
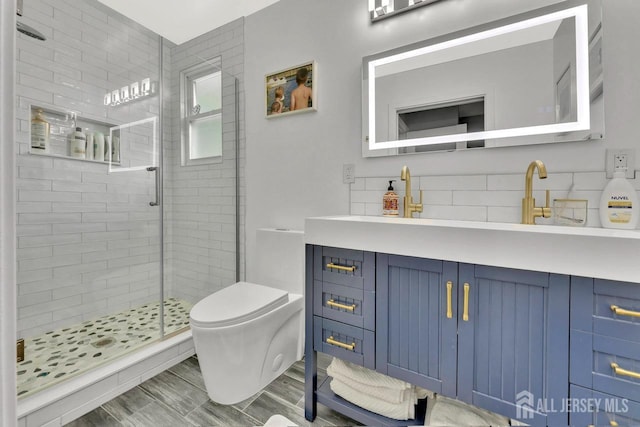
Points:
[348,173]
[621,159]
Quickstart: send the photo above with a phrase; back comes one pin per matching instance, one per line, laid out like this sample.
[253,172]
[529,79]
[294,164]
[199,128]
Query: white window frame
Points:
[187,77]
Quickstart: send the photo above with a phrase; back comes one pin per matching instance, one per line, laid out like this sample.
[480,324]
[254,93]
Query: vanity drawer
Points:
[601,409]
[616,366]
[345,304]
[616,309]
[605,364]
[346,342]
[345,267]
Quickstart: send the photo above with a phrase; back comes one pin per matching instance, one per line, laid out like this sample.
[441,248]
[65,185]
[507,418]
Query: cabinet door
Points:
[513,342]
[415,339]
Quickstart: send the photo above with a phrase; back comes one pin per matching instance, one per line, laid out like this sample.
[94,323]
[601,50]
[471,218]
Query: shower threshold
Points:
[57,355]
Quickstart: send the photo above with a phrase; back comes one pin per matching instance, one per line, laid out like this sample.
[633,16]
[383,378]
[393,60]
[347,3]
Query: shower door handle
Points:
[155,169]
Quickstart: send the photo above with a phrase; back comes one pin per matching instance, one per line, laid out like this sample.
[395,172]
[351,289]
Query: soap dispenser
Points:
[390,202]
[619,203]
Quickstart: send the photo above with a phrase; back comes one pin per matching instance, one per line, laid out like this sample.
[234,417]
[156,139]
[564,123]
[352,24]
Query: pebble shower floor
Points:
[56,355]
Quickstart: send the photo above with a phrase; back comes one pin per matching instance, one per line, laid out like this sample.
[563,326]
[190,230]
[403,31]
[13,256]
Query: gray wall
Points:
[294,163]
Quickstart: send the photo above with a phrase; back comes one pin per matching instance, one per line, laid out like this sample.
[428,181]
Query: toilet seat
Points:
[236,304]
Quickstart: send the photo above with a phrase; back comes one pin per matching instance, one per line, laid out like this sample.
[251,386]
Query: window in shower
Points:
[201,98]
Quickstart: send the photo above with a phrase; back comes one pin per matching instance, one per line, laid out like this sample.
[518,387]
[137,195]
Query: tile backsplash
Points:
[491,198]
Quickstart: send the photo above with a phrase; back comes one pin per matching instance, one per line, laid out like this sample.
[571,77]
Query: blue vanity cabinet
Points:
[488,336]
[485,335]
[513,350]
[416,311]
[605,347]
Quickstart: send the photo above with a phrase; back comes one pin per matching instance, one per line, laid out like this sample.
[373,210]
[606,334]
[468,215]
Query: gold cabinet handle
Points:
[449,310]
[623,312]
[465,313]
[619,371]
[332,341]
[332,303]
[351,268]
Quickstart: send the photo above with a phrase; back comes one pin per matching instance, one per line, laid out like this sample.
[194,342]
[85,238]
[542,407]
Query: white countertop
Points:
[581,251]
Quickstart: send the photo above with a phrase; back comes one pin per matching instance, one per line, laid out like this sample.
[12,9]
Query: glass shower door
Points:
[89,219]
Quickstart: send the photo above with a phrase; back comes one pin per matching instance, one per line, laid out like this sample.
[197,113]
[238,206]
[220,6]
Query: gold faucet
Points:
[529,210]
[409,206]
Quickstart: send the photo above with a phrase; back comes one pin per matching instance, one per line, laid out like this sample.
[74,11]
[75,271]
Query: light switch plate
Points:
[348,173]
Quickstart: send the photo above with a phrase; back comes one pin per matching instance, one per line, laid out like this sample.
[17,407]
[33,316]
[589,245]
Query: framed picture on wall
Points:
[291,91]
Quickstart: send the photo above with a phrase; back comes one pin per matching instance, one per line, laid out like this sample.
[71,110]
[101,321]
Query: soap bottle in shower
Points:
[40,130]
[77,144]
[390,202]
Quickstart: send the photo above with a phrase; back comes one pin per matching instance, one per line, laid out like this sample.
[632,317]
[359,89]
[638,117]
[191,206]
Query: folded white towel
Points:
[375,384]
[364,376]
[399,411]
[443,411]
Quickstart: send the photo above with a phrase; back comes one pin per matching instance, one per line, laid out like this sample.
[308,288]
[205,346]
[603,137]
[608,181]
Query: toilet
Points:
[247,334]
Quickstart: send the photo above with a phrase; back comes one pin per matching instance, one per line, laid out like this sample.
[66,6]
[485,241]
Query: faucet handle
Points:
[419,205]
[546,210]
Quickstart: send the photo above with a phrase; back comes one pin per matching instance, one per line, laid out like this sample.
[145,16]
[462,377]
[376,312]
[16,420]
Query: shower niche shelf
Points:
[62,124]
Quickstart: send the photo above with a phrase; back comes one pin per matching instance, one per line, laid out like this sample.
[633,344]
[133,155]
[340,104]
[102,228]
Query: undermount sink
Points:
[582,251]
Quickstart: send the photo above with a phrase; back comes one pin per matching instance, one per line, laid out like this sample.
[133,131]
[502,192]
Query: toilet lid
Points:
[235,304]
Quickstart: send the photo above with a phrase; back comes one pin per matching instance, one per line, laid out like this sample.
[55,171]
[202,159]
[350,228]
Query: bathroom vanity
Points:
[512,318]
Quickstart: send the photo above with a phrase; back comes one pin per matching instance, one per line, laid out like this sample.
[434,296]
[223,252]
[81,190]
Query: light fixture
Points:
[379,9]
[131,92]
[583,120]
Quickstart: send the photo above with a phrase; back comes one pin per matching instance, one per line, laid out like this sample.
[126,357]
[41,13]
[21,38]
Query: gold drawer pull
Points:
[449,310]
[465,313]
[623,312]
[351,346]
[619,371]
[351,268]
[332,303]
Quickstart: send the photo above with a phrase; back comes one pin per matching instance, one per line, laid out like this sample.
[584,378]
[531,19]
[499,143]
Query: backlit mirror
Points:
[529,79]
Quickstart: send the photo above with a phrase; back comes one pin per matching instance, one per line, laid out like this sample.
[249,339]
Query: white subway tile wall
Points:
[493,198]
[88,241]
[201,239]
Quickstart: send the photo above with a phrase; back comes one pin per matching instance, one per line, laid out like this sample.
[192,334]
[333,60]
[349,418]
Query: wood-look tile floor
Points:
[177,397]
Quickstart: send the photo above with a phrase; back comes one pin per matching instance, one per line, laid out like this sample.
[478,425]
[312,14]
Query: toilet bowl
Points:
[247,334]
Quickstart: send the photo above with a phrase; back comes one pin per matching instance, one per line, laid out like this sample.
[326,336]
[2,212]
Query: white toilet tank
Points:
[280,259]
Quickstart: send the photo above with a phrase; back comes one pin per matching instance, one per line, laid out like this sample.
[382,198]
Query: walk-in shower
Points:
[118,235]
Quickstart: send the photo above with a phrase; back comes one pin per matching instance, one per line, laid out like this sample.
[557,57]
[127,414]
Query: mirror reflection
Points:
[521,82]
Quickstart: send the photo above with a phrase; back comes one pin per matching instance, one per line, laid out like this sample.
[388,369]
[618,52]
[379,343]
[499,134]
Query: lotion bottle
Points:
[619,203]
[390,202]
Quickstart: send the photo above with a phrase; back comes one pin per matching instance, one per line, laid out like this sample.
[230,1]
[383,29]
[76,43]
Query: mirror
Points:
[530,79]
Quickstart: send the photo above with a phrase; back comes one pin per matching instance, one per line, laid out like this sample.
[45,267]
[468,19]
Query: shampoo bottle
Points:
[390,202]
[40,130]
[77,144]
[98,146]
[89,151]
[619,203]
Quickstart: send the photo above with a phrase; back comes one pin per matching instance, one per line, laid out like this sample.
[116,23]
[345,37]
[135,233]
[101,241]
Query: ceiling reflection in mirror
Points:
[523,82]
